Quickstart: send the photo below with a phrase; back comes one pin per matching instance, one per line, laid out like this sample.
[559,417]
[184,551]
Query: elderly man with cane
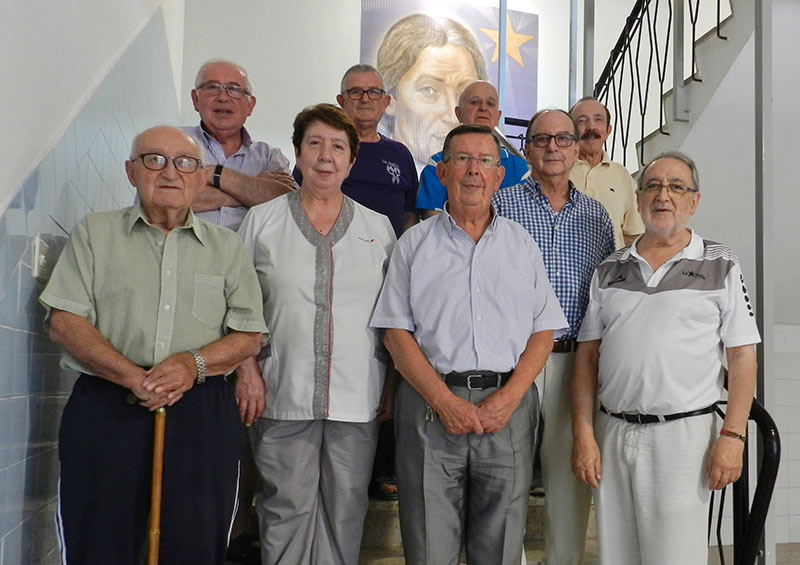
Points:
[152,302]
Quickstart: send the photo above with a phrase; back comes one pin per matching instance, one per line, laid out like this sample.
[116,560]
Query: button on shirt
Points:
[152,295]
[252,158]
[572,241]
[469,306]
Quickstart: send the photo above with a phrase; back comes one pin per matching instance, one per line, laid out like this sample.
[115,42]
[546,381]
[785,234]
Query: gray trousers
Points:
[469,488]
[313,501]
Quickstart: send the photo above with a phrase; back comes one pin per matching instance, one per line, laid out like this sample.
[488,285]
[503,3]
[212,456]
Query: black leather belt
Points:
[653,418]
[477,380]
[567,346]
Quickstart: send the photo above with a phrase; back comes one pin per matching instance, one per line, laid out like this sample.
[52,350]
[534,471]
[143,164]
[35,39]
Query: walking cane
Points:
[155,491]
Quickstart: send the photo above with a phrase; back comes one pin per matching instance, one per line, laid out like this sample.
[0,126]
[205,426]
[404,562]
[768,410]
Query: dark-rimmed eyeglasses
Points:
[462,161]
[543,139]
[157,162]
[215,89]
[673,187]
[357,93]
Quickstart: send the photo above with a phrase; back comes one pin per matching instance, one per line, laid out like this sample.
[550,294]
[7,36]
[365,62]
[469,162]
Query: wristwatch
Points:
[201,365]
[217,176]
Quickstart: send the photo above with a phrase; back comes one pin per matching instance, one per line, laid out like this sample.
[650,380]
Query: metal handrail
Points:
[749,520]
[625,88]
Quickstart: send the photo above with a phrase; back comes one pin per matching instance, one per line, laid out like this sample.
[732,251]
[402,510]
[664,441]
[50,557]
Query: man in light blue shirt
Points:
[469,318]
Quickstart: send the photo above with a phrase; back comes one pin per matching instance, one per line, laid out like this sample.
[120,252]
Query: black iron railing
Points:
[637,64]
[636,76]
[749,518]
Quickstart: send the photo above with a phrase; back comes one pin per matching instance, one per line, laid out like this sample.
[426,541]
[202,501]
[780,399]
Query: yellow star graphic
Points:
[514,41]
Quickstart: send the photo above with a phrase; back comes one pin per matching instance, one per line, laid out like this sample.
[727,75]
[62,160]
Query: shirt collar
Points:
[247,141]
[605,161]
[536,190]
[450,224]
[135,214]
[694,249]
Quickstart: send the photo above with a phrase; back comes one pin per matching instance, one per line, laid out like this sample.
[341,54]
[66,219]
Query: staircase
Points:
[714,59]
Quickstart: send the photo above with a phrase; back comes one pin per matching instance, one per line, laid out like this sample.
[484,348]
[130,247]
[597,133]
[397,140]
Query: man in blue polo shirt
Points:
[478,104]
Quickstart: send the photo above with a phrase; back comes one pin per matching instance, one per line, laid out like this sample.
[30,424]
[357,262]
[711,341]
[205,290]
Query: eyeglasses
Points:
[462,161]
[357,93]
[543,139]
[673,188]
[215,89]
[157,162]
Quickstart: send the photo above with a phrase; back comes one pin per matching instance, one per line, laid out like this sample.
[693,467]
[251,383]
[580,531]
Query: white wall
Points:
[297,52]
[786,118]
[55,54]
[727,172]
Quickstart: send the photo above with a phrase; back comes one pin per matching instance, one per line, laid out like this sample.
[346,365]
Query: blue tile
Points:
[12,546]
[29,291]
[72,157]
[15,493]
[31,199]
[5,523]
[7,344]
[48,193]
[20,429]
[21,361]
[5,433]
[10,314]
[17,221]
[71,208]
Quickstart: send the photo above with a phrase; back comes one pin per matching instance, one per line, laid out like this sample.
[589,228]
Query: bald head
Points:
[479,104]
[161,178]
[161,134]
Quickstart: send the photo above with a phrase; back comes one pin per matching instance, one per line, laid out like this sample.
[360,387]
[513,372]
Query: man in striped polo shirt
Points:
[663,315]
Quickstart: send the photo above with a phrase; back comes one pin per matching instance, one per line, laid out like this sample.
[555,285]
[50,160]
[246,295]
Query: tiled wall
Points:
[786,501]
[84,172]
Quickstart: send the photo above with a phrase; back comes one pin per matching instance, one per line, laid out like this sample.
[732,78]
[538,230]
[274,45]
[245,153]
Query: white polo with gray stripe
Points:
[664,333]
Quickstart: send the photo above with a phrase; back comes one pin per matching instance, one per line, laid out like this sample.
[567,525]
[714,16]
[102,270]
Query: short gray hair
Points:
[357,69]
[464,129]
[678,156]
[198,79]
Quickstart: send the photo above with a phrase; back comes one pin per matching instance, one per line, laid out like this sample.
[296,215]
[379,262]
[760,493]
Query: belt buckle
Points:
[469,382]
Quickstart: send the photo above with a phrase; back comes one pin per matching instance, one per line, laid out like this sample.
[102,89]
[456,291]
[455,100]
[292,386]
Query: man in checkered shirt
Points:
[574,234]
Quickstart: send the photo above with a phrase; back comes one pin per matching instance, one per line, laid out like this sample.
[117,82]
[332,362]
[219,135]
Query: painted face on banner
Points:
[426,96]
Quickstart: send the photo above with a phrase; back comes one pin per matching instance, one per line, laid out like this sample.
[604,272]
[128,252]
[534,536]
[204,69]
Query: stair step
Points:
[382,529]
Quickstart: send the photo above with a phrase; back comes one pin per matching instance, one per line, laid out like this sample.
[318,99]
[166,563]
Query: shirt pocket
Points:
[209,305]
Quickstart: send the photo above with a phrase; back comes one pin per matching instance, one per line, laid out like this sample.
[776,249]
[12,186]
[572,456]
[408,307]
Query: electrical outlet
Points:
[39,265]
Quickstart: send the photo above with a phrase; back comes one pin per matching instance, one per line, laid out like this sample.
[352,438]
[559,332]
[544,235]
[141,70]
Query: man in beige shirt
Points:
[152,306]
[599,177]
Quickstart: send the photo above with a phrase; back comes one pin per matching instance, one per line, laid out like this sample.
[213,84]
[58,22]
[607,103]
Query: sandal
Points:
[383,488]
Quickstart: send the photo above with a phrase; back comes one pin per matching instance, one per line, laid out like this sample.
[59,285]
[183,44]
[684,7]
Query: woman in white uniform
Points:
[320,259]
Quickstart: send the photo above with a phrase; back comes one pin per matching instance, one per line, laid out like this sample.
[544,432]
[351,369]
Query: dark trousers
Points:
[105,450]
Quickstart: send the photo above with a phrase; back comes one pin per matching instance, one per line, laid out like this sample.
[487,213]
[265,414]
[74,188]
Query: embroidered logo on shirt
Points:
[693,275]
[366,240]
[393,169]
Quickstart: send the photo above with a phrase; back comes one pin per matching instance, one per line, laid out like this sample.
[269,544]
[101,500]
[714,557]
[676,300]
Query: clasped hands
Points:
[489,416]
[165,384]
